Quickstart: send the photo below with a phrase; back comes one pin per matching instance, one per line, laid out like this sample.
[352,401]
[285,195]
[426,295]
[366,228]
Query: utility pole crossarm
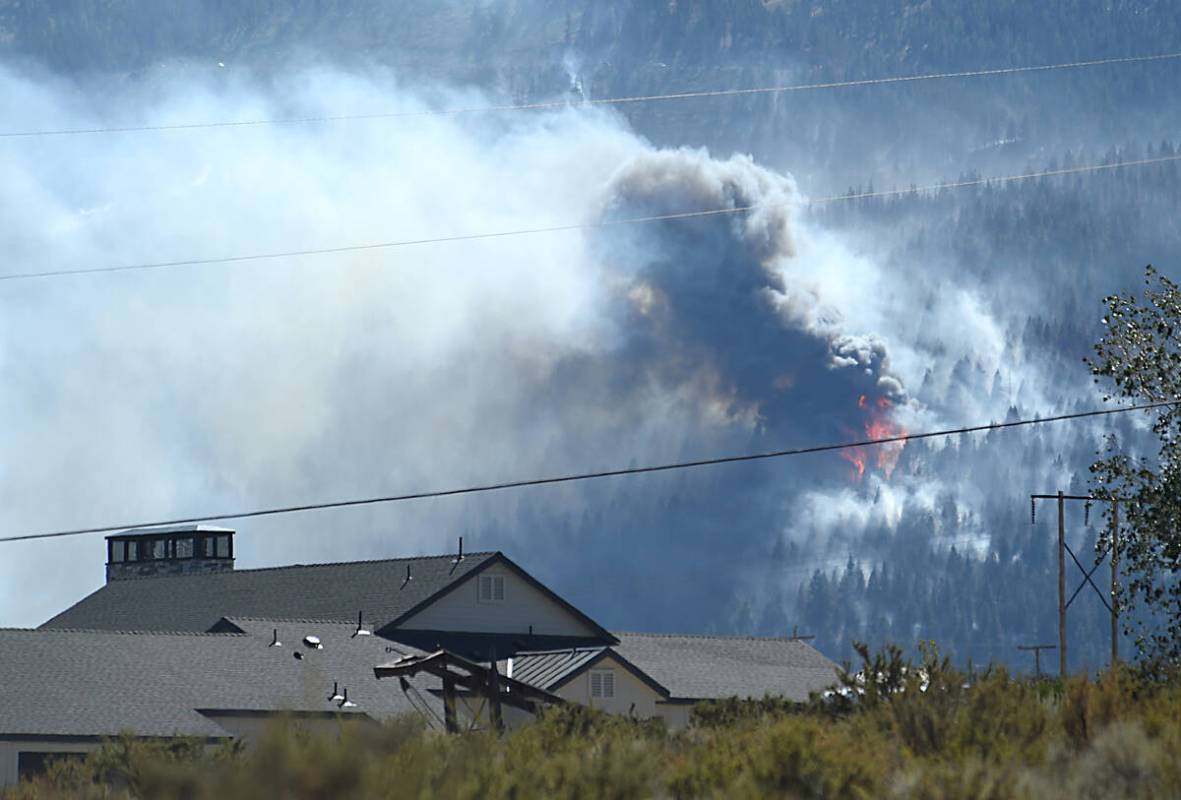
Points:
[1063,550]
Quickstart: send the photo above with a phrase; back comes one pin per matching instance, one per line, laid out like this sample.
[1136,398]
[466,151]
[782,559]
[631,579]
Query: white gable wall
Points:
[523,605]
[632,696]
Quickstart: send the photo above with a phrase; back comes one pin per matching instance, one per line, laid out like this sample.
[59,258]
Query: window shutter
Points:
[602,683]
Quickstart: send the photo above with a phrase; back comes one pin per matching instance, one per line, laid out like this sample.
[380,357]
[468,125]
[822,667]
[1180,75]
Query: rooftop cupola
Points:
[169,550]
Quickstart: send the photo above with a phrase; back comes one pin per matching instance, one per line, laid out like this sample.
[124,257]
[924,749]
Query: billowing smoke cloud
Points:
[179,392]
[714,300]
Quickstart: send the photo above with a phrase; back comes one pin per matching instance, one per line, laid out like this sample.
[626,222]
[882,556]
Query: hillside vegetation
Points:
[921,731]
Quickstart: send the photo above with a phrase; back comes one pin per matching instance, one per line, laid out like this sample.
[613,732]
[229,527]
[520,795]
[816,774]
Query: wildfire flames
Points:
[878,425]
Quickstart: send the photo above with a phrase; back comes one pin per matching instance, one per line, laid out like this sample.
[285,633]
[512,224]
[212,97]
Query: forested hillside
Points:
[981,300]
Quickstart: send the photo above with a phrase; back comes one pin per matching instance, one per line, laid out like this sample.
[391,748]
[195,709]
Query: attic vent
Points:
[312,642]
[602,683]
[491,588]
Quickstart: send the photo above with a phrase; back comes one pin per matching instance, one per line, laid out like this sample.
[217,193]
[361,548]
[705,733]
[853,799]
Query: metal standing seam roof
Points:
[337,591]
[549,669]
[101,683]
[713,667]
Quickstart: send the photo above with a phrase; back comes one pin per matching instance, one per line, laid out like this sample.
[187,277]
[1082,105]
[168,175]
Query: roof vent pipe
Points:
[408,577]
[345,702]
[336,696]
[361,629]
[275,639]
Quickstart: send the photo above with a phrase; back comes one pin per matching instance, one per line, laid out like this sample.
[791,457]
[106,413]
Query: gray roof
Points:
[372,649]
[550,669]
[712,667]
[318,591]
[100,683]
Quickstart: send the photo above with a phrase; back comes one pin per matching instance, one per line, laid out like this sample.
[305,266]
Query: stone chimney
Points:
[171,550]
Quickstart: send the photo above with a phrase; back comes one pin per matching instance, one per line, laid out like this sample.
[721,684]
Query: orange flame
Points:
[878,426]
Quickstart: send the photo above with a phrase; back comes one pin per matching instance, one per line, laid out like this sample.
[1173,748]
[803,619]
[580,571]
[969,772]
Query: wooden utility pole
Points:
[1037,654]
[1063,550]
[1061,585]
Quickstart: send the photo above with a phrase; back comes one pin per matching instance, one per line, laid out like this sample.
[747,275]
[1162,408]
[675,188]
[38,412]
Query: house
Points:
[664,675]
[178,642]
[182,578]
[66,690]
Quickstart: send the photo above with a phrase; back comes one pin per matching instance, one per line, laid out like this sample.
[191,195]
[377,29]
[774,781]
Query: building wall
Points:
[632,696]
[523,606]
[125,570]
[675,715]
[10,750]
[249,727]
[472,712]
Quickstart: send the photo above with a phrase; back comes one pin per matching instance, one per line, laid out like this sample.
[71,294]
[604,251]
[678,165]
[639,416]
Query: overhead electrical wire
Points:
[578,226]
[586,476]
[606,101]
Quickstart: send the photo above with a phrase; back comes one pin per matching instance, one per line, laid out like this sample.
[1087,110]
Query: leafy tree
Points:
[1139,358]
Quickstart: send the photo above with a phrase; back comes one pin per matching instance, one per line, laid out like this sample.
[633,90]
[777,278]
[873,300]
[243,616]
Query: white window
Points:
[602,683]
[491,588]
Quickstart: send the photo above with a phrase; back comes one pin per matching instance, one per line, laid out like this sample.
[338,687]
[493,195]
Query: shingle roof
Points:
[317,591]
[711,667]
[100,683]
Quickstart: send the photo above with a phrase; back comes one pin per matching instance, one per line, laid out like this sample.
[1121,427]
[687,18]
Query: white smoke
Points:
[146,395]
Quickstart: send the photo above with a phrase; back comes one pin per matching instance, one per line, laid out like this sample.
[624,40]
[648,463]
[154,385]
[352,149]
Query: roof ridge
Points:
[563,650]
[301,620]
[105,631]
[477,554]
[728,637]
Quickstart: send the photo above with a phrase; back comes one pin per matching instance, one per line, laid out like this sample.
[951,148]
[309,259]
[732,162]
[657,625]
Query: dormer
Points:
[170,550]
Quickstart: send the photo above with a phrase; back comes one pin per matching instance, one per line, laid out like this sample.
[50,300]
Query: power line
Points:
[607,101]
[585,476]
[578,226]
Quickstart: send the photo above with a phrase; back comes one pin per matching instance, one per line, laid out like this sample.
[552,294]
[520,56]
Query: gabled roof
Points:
[501,558]
[337,591]
[713,667]
[553,669]
[100,683]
